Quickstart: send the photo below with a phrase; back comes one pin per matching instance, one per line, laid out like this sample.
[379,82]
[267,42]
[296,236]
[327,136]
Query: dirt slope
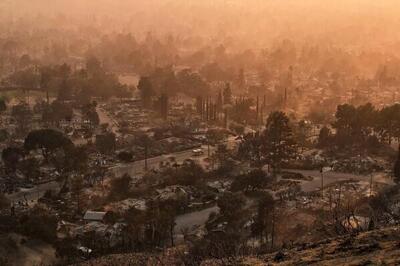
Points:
[379,247]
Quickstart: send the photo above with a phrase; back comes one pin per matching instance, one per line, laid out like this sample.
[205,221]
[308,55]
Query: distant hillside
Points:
[379,247]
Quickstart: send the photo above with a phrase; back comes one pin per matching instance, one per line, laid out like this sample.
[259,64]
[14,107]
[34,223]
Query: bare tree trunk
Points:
[273,228]
[171,232]
[145,157]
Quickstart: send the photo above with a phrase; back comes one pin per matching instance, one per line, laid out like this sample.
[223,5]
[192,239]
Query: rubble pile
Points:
[356,164]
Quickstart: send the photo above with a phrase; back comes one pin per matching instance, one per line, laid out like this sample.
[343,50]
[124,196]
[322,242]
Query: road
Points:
[332,177]
[137,168]
[134,169]
[106,119]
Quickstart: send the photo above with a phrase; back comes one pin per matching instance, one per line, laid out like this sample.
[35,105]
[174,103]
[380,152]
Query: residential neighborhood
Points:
[199,132]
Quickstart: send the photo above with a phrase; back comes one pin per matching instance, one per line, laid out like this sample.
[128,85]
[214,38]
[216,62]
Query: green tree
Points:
[125,156]
[302,133]
[46,74]
[227,94]
[30,167]
[345,119]
[255,179]
[213,72]
[27,78]
[23,116]
[220,102]
[325,137]
[106,143]
[90,113]
[136,221]
[77,184]
[94,67]
[388,123]
[48,140]
[120,187]
[192,84]
[25,60]
[40,224]
[146,91]
[354,124]
[161,105]
[277,140]
[65,91]
[263,225]
[4,135]
[4,202]
[72,159]
[57,111]
[160,217]
[250,148]
[213,138]
[223,159]
[67,251]
[11,156]
[188,174]
[168,212]
[231,205]
[241,111]
[3,105]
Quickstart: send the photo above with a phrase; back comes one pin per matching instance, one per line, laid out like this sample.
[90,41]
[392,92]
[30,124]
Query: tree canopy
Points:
[277,140]
[46,139]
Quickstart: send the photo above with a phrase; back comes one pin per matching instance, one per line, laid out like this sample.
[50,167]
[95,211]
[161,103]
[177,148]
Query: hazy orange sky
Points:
[349,22]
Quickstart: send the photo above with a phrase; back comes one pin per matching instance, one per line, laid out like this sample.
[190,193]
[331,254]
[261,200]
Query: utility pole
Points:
[27,96]
[208,145]
[258,113]
[273,227]
[226,118]
[263,108]
[145,157]
[211,108]
[322,182]
[352,95]
[370,186]
[207,109]
[285,99]
[215,112]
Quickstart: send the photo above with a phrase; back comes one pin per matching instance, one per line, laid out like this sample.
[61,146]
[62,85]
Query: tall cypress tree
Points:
[146,91]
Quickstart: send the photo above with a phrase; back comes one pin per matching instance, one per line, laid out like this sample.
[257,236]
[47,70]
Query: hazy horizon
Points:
[249,22]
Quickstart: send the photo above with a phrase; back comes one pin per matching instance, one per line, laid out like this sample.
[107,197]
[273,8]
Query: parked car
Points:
[197,152]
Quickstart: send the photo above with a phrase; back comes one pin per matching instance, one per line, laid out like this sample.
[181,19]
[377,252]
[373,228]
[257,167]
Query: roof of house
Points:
[126,204]
[94,216]
[171,192]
